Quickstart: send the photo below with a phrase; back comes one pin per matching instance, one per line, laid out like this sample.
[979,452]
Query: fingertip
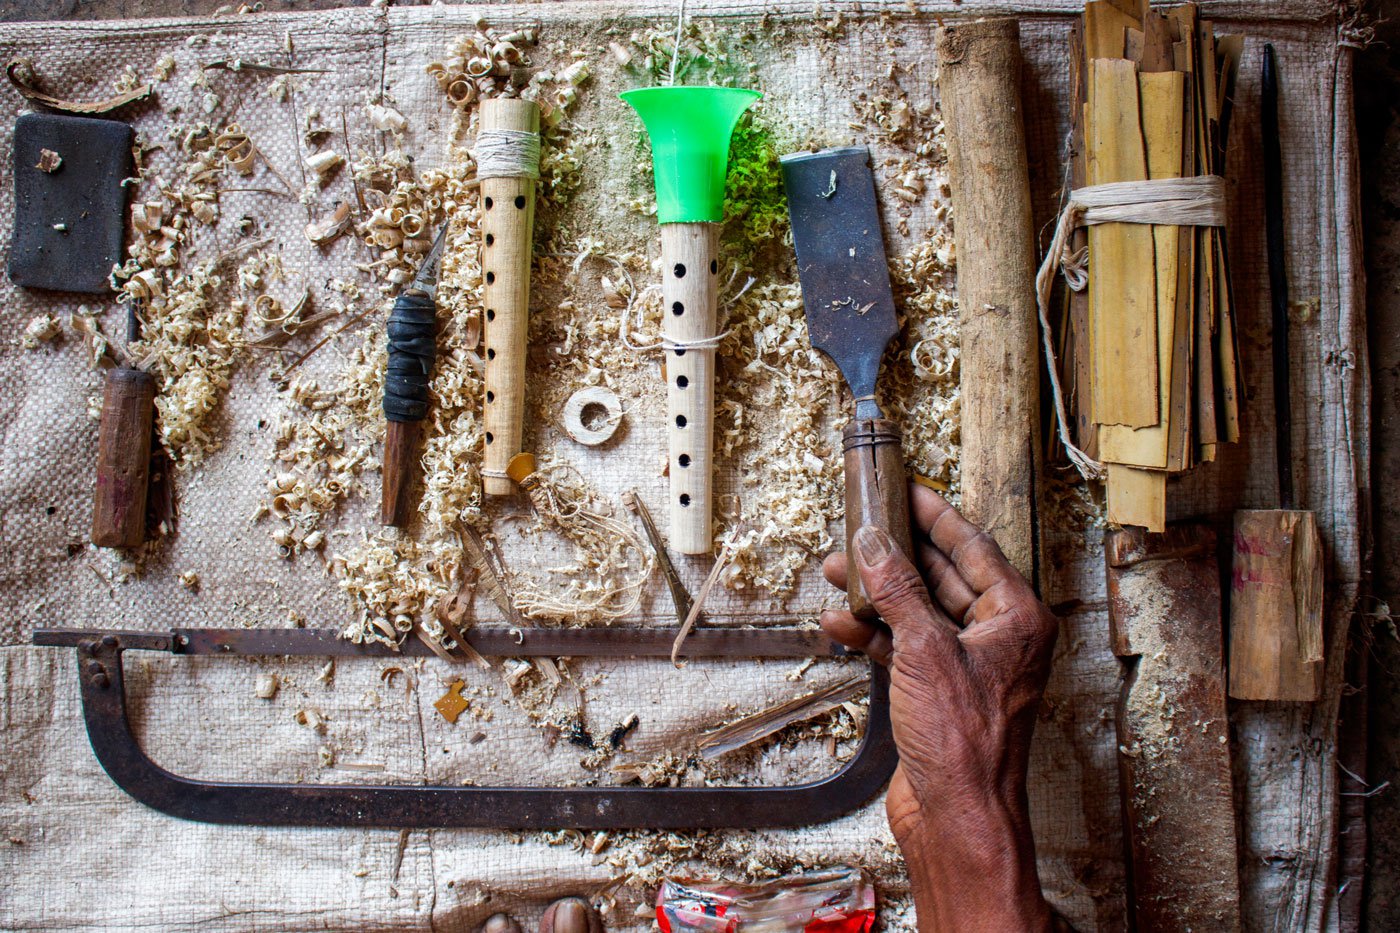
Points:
[834,568]
[845,629]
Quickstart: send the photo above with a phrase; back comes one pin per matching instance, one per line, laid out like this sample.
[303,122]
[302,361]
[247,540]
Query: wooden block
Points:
[1276,591]
[1137,497]
[1173,729]
[1122,281]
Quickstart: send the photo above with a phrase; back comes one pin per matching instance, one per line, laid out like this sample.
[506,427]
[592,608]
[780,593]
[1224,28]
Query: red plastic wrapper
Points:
[838,900]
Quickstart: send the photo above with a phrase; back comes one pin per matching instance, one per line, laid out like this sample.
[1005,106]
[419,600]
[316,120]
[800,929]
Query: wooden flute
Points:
[508,153]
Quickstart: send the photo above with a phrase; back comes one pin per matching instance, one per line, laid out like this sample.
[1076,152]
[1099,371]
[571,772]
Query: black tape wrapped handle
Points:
[412,348]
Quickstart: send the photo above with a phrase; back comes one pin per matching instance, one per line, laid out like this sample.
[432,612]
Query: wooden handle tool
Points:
[508,155]
[123,458]
[877,493]
[851,318]
[412,349]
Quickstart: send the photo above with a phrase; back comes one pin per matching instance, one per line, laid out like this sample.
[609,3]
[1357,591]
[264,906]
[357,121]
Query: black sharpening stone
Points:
[69,222]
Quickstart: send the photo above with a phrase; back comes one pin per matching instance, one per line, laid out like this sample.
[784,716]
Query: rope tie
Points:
[1197,201]
[507,154]
[665,343]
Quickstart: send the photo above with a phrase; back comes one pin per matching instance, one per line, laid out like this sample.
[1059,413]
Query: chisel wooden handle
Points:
[123,459]
[507,225]
[412,350]
[689,286]
[876,494]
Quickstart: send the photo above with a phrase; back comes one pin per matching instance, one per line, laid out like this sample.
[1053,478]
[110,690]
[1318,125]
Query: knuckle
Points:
[900,590]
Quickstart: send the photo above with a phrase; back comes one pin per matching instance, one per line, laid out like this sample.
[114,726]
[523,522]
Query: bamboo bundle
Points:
[1151,364]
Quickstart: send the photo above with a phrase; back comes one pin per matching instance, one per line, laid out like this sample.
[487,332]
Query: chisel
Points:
[851,318]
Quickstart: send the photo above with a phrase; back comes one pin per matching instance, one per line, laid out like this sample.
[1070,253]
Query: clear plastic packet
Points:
[837,900]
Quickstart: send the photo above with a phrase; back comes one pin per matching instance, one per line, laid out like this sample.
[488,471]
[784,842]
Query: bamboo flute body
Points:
[507,225]
[980,87]
[689,290]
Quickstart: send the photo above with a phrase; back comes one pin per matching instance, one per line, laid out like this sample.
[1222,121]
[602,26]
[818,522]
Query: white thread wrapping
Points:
[507,154]
[1197,201]
[636,310]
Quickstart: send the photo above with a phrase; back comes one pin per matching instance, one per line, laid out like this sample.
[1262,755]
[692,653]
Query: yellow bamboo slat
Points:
[1122,286]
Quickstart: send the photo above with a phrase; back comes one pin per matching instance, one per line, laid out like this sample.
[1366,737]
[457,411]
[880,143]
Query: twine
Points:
[560,496]
[507,154]
[664,343]
[636,308]
[1197,201]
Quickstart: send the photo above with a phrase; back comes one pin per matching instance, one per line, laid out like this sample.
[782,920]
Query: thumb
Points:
[893,585]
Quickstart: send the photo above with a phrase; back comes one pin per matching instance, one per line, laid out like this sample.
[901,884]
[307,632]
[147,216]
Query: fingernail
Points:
[873,544]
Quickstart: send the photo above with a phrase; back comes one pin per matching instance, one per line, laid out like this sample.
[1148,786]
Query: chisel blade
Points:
[841,260]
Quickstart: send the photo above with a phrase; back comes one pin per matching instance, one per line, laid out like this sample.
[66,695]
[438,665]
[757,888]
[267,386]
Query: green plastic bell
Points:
[690,129]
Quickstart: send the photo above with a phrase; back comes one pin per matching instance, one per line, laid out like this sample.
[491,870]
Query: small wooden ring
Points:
[582,399]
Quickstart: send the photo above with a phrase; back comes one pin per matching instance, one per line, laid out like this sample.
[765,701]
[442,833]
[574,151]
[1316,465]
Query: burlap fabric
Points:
[78,854]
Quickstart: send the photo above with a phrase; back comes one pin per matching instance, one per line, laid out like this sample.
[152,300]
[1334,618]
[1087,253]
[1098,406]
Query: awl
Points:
[412,349]
[851,318]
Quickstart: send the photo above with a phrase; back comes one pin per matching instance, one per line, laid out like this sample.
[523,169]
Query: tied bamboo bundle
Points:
[1150,384]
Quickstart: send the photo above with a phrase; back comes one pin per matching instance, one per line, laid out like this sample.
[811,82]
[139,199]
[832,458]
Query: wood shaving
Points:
[49,161]
[265,687]
[330,227]
[606,581]
[40,330]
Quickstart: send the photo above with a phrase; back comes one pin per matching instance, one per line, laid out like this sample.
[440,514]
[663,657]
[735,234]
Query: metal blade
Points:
[841,263]
[489,640]
[427,278]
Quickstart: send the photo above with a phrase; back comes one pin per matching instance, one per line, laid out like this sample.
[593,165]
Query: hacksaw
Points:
[109,728]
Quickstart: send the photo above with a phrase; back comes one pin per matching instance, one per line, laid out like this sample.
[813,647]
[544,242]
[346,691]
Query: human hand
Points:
[969,648]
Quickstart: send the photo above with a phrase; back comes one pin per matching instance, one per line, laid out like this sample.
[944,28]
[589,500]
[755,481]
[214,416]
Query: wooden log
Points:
[507,225]
[980,90]
[123,458]
[1173,729]
[689,292]
[1276,585]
